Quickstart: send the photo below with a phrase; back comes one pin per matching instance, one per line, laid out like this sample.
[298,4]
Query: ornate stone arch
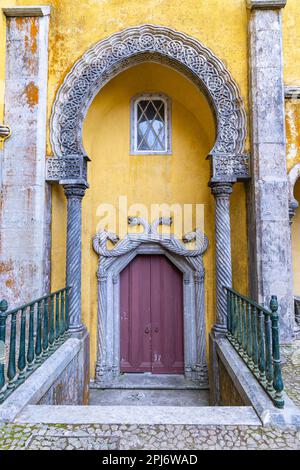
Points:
[293,176]
[122,50]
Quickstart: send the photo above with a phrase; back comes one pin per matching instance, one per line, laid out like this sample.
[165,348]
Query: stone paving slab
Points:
[290,354]
[163,437]
[208,415]
[140,397]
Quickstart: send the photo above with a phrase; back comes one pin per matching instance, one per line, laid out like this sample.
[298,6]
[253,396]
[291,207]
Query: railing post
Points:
[67,308]
[255,341]
[30,350]
[250,335]
[62,313]
[45,328]
[269,360]
[38,339]
[277,379]
[22,346]
[57,316]
[11,370]
[51,330]
[3,316]
[261,342]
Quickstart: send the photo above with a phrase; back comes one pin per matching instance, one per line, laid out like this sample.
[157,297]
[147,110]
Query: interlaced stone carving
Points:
[72,167]
[158,44]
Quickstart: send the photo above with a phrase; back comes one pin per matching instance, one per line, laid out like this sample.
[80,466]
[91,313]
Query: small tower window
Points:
[150,124]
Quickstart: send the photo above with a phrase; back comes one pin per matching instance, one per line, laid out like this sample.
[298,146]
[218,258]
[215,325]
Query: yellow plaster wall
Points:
[292,132]
[296,242]
[291,42]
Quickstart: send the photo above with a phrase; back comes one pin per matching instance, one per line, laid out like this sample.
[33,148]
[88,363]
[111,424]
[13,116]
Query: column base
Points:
[78,331]
[219,331]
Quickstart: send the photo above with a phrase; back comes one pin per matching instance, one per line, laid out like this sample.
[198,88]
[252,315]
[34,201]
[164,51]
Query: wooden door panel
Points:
[135,317]
[166,316]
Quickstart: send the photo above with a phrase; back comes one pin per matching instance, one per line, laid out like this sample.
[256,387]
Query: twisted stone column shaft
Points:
[74,194]
[221,192]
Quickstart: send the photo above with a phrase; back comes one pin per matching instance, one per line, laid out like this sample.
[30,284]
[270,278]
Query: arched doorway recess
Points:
[228,161]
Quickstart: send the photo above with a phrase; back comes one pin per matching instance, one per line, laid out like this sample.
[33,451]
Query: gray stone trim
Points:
[266,4]
[168,124]
[72,167]
[27,11]
[292,92]
[270,254]
[293,176]
[222,192]
[134,45]
[251,391]
[113,261]
[37,384]
[141,415]
[74,194]
[24,225]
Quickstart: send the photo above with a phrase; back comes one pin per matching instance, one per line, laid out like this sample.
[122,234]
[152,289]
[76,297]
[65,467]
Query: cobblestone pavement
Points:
[290,355]
[162,437]
[158,437]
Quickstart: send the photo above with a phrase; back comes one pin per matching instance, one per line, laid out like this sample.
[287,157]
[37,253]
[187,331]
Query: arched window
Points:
[150,124]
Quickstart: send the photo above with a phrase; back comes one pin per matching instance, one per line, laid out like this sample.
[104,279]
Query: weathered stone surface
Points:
[61,379]
[25,201]
[269,232]
[150,437]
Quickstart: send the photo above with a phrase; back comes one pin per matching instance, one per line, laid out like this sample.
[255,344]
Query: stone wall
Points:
[63,379]
[229,395]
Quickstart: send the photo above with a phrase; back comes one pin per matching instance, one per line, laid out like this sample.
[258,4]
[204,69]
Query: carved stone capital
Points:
[292,92]
[74,190]
[71,168]
[266,4]
[231,167]
[221,190]
[5,132]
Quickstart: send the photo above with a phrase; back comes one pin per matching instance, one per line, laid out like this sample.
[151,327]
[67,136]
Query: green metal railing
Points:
[29,335]
[254,333]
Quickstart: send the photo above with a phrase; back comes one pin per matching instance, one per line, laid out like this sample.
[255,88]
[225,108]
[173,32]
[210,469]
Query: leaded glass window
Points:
[150,130]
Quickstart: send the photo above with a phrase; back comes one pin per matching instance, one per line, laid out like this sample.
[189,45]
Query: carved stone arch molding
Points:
[113,261]
[129,47]
[293,176]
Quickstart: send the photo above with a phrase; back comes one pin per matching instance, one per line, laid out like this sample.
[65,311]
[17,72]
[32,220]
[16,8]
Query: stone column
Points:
[221,192]
[269,231]
[25,207]
[74,193]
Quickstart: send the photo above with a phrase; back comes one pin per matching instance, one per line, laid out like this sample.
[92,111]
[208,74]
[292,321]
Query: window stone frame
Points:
[168,123]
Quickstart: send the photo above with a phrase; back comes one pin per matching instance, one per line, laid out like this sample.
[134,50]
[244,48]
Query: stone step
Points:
[207,415]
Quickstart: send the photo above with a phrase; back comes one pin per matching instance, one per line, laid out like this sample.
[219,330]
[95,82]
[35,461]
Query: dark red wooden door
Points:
[151,309]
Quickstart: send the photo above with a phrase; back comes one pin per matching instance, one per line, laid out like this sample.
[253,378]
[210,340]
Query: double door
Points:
[151,316]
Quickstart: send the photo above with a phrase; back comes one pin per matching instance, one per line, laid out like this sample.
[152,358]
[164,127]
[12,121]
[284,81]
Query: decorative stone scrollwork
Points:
[157,44]
[72,167]
[113,261]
